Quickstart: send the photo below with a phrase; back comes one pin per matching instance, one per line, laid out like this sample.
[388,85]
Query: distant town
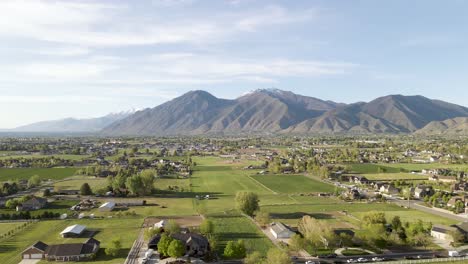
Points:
[323,199]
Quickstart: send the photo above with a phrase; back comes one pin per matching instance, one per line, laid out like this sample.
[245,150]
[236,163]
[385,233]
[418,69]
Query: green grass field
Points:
[292,184]
[232,226]
[75,183]
[43,173]
[401,167]
[5,227]
[395,176]
[48,232]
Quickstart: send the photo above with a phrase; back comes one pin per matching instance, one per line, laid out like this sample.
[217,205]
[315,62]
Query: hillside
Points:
[453,126]
[72,124]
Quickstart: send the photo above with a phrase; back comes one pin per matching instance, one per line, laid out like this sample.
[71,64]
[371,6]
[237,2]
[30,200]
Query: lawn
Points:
[48,232]
[5,227]
[76,182]
[232,226]
[328,211]
[43,173]
[365,168]
[395,176]
[292,184]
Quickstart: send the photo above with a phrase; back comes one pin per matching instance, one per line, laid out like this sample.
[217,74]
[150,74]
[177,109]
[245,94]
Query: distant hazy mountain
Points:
[274,111]
[72,125]
[453,126]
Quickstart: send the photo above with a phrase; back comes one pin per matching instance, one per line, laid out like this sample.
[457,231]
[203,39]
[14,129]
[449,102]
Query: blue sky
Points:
[89,58]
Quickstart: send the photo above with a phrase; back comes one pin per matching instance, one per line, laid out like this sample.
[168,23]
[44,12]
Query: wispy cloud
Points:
[88,24]
[16,99]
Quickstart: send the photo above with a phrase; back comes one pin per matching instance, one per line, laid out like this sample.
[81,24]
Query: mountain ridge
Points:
[267,111]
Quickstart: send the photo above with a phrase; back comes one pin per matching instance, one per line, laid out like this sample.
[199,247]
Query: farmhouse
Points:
[422,191]
[36,251]
[107,207]
[196,245]
[62,252]
[280,231]
[73,231]
[443,232]
[34,203]
[73,252]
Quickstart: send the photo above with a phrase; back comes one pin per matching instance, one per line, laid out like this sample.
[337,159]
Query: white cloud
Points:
[62,71]
[51,99]
[67,51]
[88,24]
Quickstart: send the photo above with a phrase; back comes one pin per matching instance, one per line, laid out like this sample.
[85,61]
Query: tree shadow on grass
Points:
[297,215]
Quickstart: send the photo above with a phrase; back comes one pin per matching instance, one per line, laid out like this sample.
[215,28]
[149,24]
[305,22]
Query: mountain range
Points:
[73,125]
[271,111]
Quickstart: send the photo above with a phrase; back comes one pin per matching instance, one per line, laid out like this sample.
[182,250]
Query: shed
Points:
[281,231]
[107,207]
[73,231]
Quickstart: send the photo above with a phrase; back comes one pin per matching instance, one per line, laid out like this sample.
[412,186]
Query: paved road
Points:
[134,253]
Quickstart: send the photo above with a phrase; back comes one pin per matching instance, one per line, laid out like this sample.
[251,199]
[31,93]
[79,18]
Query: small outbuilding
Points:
[107,207]
[73,231]
[281,231]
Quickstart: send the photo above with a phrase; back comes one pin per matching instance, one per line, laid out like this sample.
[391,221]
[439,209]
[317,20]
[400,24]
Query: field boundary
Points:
[261,184]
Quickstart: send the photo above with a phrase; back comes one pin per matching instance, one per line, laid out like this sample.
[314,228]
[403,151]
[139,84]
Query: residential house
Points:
[73,252]
[281,231]
[36,251]
[63,252]
[389,189]
[453,201]
[35,203]
[196,245]
[422,191]
[443,232]
[359,180]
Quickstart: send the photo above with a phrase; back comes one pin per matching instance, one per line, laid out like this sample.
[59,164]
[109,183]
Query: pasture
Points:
[233,226]
[48,232]
[292,184]
[44,173]
[395,176]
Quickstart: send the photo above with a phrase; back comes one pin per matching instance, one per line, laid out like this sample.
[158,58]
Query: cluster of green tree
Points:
[27,215]
[299,165]
[136,184]
[39,162]
[114,248]
[9,188]
[12,203]
[170,247]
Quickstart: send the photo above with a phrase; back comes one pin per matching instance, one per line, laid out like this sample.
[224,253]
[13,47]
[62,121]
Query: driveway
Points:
[29,261]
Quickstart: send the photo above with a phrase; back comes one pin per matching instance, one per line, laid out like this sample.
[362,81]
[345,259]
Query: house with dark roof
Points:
[422,191]
[196,245]
[35,203]
[73,252]
[36,251]
[63,252]
[443,232]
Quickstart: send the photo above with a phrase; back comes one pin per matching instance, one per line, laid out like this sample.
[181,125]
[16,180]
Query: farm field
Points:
[75,183]
[5,227]
[395,176]
[233,226]
[48,232]
[400,167]
[43,173]
[292,184]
